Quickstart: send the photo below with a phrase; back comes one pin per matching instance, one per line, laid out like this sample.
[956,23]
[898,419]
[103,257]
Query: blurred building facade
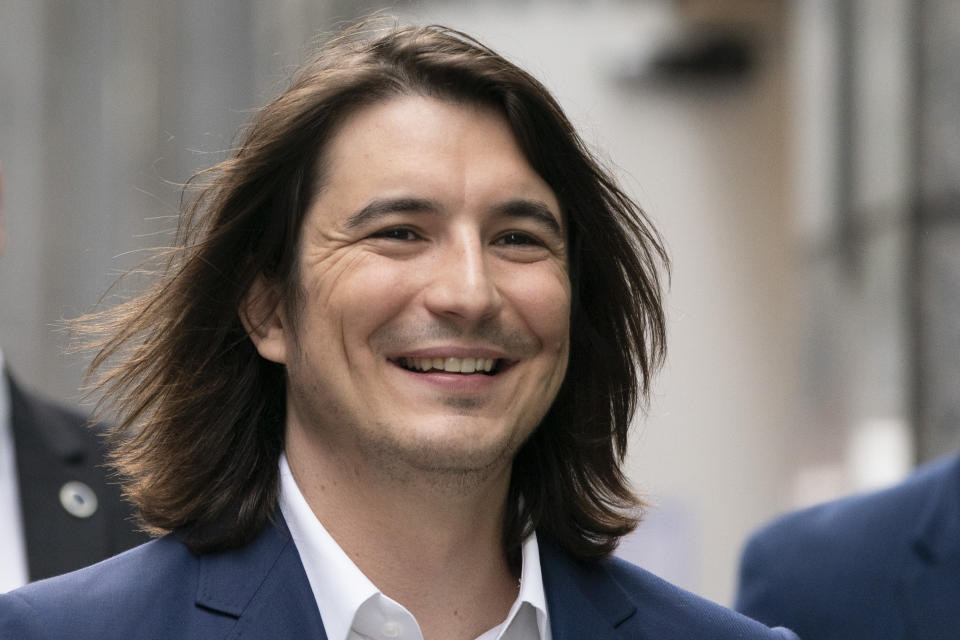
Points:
[877,178]
[800,158]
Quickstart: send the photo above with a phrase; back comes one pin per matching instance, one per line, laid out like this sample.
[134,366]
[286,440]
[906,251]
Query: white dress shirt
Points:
[13,546]
[352,608]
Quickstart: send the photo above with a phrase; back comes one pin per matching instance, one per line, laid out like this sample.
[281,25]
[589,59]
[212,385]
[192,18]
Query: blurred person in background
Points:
[878,566]
[58,512]
[347,402]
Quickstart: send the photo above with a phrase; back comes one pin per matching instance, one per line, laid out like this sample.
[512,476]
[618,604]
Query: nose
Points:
[461,286]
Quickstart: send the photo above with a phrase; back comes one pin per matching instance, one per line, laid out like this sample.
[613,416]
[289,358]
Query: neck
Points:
[432,541]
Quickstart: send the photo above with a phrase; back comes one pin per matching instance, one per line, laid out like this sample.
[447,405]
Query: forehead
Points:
[456,153]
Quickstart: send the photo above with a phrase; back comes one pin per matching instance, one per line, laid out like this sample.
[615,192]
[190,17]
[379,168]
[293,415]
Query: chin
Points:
[443,451]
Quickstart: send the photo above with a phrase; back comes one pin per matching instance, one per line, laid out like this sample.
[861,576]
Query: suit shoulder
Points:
[667,610]
[62,428]
[856,520]
[858,545]
[43,405]
[55,409]
[115,598]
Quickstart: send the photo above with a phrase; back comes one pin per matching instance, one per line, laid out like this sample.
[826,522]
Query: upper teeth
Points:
[453,365]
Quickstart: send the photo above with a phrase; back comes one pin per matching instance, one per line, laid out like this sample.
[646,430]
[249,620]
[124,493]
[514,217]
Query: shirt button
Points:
[390,629]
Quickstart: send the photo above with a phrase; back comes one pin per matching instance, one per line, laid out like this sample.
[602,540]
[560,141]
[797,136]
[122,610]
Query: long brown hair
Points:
[201,414]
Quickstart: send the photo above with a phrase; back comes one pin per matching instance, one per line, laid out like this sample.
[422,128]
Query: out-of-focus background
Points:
[801,157]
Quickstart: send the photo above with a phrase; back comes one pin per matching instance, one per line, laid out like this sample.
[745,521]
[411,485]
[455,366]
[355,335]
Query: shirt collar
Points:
[531,586]
[338,585]
[13,553]
[341,589]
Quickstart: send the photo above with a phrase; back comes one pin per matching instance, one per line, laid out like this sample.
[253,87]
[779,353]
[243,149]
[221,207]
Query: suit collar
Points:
[583,599]
[263,585]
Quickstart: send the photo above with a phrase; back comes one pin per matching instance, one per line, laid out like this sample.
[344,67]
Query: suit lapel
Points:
[584,601]
[932,577]
[264,586]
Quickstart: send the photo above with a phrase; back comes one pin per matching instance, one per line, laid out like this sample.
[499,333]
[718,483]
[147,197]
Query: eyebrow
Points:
[535,210]
[383,207]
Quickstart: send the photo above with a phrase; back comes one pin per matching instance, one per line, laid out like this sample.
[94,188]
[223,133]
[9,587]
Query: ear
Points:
[262,315]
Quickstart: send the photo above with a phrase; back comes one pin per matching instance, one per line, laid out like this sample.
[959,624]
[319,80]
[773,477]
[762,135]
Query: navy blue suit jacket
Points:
[881,566]
[53,446]
[162,591]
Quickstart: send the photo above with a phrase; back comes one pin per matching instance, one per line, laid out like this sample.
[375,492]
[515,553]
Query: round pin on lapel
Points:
[78,499]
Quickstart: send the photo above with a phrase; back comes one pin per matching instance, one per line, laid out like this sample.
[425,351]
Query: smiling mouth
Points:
[467,366]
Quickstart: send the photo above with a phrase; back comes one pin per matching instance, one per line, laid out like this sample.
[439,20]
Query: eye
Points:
[404,234]
[517,238]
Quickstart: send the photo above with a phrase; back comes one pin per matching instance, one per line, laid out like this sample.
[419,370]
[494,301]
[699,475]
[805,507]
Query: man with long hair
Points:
[383,385]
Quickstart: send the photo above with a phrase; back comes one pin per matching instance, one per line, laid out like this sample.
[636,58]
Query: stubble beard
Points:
[456,467]
[455,462]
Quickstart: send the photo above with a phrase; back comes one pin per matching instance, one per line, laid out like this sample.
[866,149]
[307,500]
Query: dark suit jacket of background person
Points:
[162,591]
[54,446]
[881,566]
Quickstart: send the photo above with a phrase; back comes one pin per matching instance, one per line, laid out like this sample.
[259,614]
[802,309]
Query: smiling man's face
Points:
[433,322]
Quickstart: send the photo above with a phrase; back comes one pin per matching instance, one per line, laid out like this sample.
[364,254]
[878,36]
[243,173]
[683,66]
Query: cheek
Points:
[356,295]
[544,303]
